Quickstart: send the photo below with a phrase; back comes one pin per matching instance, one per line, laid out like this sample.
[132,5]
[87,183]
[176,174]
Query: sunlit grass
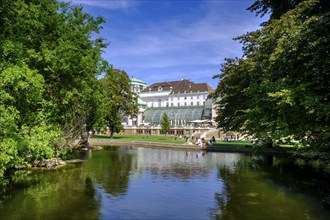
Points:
[149,138]
[169,139]
[172,140]
[234,143]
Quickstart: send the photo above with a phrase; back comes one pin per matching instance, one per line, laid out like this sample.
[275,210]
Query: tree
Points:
[48,70]
[275,8]
[165,123]
[117,99]
[279,88]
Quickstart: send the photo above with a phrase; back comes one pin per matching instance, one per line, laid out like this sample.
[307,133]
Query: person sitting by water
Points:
[205,143]
[198,142]
[212,141]
[188,141]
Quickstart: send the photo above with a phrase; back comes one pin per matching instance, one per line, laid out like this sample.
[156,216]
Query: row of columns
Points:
[157,130]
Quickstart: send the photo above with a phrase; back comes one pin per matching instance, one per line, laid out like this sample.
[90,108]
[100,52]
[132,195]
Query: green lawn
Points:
[168,139]
[171,140]
[161,139]
[234,143]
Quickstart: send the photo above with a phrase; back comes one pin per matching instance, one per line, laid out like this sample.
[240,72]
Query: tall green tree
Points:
[279,88]
[48,70]
[117,99]
[165,124]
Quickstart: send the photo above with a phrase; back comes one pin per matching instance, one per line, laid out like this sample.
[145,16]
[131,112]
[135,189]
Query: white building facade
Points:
[184,101]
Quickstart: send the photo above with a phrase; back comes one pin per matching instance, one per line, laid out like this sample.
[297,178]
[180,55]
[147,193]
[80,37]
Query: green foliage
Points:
[275,8]
[8,138]
[39,141]
[165,123]
[117,99]
[48,70]
[280,87]
[23,89]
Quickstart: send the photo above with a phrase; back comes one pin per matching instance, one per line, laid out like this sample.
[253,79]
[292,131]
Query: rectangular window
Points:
[192,103]
[172,104]
[197,103]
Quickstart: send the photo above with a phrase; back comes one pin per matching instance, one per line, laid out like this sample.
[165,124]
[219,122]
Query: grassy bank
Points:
[299,158]
[168,139]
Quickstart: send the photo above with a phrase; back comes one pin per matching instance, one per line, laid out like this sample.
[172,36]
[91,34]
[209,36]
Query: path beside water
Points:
[115,142]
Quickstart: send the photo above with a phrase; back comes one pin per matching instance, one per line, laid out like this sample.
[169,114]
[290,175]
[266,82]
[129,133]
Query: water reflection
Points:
[51,194]
[146,183]
[181,164]
[154,181]
[260,187]
[110,169]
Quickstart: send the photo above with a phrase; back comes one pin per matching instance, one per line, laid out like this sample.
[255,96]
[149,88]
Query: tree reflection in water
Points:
[261,186]
[147,183]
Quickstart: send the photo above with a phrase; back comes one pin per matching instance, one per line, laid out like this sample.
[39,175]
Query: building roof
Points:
[136,81]
[180,86]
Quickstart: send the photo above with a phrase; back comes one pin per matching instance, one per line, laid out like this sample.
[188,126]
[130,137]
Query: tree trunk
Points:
[111,131]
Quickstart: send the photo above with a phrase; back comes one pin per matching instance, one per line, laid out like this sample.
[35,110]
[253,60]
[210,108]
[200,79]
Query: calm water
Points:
[145,183]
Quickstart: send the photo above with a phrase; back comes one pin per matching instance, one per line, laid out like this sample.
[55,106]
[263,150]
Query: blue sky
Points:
[166,40]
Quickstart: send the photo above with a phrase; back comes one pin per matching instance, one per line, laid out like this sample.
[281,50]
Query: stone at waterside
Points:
[49,163]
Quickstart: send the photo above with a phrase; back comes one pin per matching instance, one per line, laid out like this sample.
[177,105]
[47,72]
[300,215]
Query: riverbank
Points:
[216,148]
[287,152]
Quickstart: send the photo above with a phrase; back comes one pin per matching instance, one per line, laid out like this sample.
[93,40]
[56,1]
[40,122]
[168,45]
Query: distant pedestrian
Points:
[213,141]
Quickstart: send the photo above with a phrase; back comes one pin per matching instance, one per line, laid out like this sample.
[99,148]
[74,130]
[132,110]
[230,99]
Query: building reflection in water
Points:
[179,163]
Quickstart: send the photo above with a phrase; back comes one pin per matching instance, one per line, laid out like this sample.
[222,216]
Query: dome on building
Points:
[137,85]
[136,81]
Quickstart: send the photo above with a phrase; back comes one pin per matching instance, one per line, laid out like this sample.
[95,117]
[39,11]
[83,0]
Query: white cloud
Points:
[108,4]
[173,43]
[190,44]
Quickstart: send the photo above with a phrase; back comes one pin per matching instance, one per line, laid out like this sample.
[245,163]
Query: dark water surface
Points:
[146,183]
